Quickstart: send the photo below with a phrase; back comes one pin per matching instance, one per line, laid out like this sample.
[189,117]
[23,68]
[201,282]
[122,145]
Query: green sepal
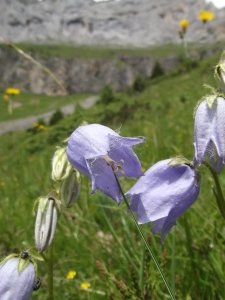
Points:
[35,254]
[220,66]
[13,255]
[36,204]
[43,202]
[209,98]
[178,161]
[22,264]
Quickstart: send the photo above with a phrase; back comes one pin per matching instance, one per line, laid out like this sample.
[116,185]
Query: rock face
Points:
[77,75]
[124,22]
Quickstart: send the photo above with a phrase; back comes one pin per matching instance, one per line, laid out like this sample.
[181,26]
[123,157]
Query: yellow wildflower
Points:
[71,274]
[42,127]
[206,16]
[12,91]
[85,285]
[184,24]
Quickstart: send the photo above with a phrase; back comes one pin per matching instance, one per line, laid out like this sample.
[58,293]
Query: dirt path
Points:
[26,123]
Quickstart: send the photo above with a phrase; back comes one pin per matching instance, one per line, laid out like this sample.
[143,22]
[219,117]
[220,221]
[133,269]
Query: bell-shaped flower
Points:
[97,150]
[17,279]
[164,193]
[209,131]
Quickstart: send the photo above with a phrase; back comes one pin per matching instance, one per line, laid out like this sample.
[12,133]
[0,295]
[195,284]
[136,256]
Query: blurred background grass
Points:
[161,109]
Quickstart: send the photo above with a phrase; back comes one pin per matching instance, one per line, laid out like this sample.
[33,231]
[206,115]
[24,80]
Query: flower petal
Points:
[102,178]
[163,194]
[16,285]
[87,147]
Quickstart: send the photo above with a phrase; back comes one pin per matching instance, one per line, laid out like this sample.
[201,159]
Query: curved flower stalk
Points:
[209,131]
[164,193]
[96,149]
[17,278]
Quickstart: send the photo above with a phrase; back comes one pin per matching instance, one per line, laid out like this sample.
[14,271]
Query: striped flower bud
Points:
[220,71]
[17,278]
[71,188]
[60,165]
[46,220]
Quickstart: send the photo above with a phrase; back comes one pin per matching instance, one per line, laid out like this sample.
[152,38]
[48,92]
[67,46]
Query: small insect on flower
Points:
[37,284]
[24,255]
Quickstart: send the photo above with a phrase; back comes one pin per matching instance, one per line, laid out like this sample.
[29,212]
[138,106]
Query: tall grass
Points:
[96,229]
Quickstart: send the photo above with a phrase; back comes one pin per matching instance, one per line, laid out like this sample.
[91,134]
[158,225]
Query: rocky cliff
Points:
[79,75]
[124,22]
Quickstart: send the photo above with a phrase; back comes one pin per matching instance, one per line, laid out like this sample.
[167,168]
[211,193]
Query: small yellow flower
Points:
[206,16]
[85,285]
[5,97]
[71,274]
[184,24]
[12,91]
[42,127]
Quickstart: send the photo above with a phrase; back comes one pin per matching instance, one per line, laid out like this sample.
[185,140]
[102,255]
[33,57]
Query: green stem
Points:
[49,263]
[145,241]
[218,191]
[173,266]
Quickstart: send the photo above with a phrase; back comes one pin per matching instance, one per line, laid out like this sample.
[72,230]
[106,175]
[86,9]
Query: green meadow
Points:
[96,228]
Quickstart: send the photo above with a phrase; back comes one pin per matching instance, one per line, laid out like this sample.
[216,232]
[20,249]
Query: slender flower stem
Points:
[50,273]
[145,241]
[49,263]
[218,191]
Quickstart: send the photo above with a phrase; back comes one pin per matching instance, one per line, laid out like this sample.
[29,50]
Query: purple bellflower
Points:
[209,132]
[16,284]
[164,193]
[97,150]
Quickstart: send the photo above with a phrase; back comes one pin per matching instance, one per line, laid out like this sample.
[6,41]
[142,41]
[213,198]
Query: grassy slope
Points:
[164,114]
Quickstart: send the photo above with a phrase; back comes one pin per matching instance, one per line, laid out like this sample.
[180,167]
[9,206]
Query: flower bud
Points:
[46,220]
[71,188]
[220,71]
[17,277]
[60,165]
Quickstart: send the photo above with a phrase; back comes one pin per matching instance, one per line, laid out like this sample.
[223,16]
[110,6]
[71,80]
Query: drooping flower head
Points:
[209,131]
[17,277]
[164,193]
[206,16]
[96,149]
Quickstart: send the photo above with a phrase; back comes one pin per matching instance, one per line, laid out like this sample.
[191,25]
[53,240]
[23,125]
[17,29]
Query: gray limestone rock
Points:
[124,22]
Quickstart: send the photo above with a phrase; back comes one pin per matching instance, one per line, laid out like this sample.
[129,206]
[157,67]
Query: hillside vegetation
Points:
[95,228]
